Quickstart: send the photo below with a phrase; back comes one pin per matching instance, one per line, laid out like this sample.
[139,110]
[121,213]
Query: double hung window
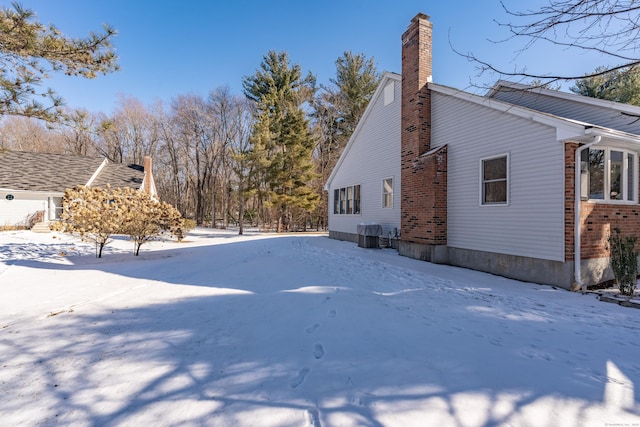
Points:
[495,180]
[346,200]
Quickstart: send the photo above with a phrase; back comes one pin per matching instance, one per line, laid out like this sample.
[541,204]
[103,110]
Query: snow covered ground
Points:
[298,330]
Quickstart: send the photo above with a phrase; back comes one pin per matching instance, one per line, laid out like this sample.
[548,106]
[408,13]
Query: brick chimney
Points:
[423,201]
[416,73]
[148,186]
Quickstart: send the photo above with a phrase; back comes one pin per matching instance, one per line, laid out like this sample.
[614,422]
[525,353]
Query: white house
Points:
[523,182]
[32,184]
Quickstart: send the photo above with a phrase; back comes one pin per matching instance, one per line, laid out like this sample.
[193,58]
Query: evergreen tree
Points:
[30,50]
[282,144]
[356,80]
[619,85]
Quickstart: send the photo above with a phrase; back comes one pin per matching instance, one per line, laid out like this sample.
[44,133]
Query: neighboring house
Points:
[32,184]
[489,182]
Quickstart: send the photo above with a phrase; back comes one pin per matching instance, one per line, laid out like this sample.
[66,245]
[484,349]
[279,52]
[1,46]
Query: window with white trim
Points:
[494,180]
[346,200]
[387,193]
[608,174]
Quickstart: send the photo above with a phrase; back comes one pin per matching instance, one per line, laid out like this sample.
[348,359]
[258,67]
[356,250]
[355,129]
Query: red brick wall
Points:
[598,219]
[424,199]
[424,178]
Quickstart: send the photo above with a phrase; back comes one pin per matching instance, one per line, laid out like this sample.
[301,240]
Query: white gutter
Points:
[577,222]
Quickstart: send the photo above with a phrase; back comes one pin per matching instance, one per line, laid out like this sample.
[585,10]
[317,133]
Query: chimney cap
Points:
[420,17]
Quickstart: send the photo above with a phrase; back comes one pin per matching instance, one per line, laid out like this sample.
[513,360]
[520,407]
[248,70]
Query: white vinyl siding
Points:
[532,224]
[18,211]
[372,155]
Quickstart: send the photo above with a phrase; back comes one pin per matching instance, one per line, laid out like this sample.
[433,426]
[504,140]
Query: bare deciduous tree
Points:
[610,28]
[26,134]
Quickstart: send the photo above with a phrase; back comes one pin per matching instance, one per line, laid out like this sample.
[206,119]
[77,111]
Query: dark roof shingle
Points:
[57,172]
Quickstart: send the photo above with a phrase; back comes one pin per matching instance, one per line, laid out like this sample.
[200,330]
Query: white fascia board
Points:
[377,94]
[622,138]
[96,173]
[38,193]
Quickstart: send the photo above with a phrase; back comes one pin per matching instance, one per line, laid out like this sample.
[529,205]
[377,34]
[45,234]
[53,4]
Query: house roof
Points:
[566,129]
[45,172]
[502,85]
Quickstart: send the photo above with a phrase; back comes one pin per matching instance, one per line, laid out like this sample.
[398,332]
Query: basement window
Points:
[494,173]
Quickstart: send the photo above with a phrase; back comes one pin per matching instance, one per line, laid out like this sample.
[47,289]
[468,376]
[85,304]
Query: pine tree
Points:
[282,144]
[29,51]
[356,80]
[619,85]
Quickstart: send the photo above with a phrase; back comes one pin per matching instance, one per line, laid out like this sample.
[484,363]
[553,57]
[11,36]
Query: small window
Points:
[389,93]
[494,180]
[387,193]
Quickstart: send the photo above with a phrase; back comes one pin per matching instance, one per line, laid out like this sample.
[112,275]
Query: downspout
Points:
[577,274]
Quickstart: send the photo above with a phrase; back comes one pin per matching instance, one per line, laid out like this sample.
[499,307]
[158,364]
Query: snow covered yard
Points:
[298,330]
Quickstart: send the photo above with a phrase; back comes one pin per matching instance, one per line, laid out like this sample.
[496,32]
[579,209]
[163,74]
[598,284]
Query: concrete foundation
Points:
[340,235]
[437,254]
[554,273]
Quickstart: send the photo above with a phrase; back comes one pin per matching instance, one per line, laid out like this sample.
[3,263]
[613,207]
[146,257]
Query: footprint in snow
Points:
[318,351]
[312,329]
[313,417]
[332,313]
[295,383]
[537,355]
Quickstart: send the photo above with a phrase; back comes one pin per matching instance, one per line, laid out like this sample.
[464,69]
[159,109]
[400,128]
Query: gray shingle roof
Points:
[57,172]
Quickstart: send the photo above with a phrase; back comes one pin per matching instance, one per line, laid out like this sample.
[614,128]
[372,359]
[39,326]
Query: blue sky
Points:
[168,49]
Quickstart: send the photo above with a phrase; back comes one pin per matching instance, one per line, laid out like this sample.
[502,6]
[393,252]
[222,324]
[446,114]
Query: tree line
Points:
[258,158]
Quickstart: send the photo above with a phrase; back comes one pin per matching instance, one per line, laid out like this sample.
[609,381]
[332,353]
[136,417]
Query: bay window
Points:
[608,174]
